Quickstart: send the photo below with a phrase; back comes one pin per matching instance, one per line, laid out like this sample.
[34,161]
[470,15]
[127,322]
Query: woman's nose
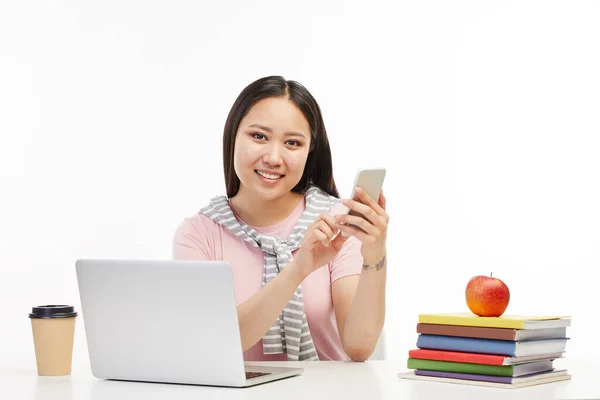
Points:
[273,154]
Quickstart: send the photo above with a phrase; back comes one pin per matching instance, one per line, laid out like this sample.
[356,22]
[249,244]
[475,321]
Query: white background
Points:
[484,113]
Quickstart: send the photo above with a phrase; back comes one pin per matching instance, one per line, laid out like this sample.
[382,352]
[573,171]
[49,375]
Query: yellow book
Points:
[505,321]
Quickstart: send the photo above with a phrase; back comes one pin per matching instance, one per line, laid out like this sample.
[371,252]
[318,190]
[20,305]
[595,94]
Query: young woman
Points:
[304,291]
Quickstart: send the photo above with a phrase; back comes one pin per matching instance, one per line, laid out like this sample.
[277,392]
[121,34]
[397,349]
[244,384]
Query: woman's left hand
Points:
[370,230]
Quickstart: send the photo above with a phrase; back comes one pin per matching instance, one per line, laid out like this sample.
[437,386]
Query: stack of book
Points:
[508,351]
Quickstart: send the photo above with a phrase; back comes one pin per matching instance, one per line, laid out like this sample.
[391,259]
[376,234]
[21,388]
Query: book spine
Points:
[454,356]
[467,368]
[470,377]
[467,331]
[467,345]
[471,321]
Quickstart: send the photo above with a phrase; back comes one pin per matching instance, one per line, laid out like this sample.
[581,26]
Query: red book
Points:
[476,358]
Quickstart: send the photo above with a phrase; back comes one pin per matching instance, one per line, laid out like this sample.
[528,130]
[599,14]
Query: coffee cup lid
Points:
[53,311]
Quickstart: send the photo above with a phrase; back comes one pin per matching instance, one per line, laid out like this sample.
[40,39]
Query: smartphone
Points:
[371,181]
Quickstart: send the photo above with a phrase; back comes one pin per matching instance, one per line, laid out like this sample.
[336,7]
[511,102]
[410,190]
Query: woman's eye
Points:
[293,142]
[258,136]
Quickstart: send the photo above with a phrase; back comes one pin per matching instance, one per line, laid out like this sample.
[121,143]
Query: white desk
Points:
[321,380]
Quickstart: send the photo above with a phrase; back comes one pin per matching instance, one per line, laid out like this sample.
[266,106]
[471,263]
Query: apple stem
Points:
[491,274]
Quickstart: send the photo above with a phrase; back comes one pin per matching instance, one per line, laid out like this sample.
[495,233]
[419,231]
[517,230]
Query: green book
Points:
[481,369]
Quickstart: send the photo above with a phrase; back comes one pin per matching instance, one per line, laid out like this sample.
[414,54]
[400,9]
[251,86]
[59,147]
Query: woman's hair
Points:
[318,170]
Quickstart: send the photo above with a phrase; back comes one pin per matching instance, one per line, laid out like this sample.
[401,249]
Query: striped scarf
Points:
[289,333]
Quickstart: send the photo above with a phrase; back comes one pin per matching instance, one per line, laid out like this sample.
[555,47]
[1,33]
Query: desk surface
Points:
[321,380]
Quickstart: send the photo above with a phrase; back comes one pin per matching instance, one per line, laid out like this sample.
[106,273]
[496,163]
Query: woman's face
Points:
[271,148]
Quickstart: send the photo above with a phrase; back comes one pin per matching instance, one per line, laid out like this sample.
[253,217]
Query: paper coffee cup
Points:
[53,329]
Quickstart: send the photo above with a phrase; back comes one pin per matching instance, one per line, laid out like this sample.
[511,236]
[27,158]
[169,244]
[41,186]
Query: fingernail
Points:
[358,190]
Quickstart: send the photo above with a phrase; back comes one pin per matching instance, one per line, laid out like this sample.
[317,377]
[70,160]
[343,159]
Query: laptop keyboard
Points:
[250,375]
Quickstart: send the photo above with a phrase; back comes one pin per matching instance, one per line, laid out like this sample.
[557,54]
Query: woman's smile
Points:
[272,176]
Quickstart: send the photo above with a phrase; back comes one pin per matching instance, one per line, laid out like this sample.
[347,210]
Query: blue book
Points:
[492,346]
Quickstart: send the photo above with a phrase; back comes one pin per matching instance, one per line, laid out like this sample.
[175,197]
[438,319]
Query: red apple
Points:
[487,296]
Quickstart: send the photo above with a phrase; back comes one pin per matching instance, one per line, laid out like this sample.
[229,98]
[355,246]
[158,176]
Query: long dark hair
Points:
[318,170]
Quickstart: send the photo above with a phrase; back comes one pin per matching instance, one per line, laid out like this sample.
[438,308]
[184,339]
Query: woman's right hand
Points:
[318,248]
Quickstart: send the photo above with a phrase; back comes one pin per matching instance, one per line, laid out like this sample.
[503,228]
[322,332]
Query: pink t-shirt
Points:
[200,238]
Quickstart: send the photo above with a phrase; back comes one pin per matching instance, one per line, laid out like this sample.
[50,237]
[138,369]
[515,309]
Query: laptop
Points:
[166,321]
